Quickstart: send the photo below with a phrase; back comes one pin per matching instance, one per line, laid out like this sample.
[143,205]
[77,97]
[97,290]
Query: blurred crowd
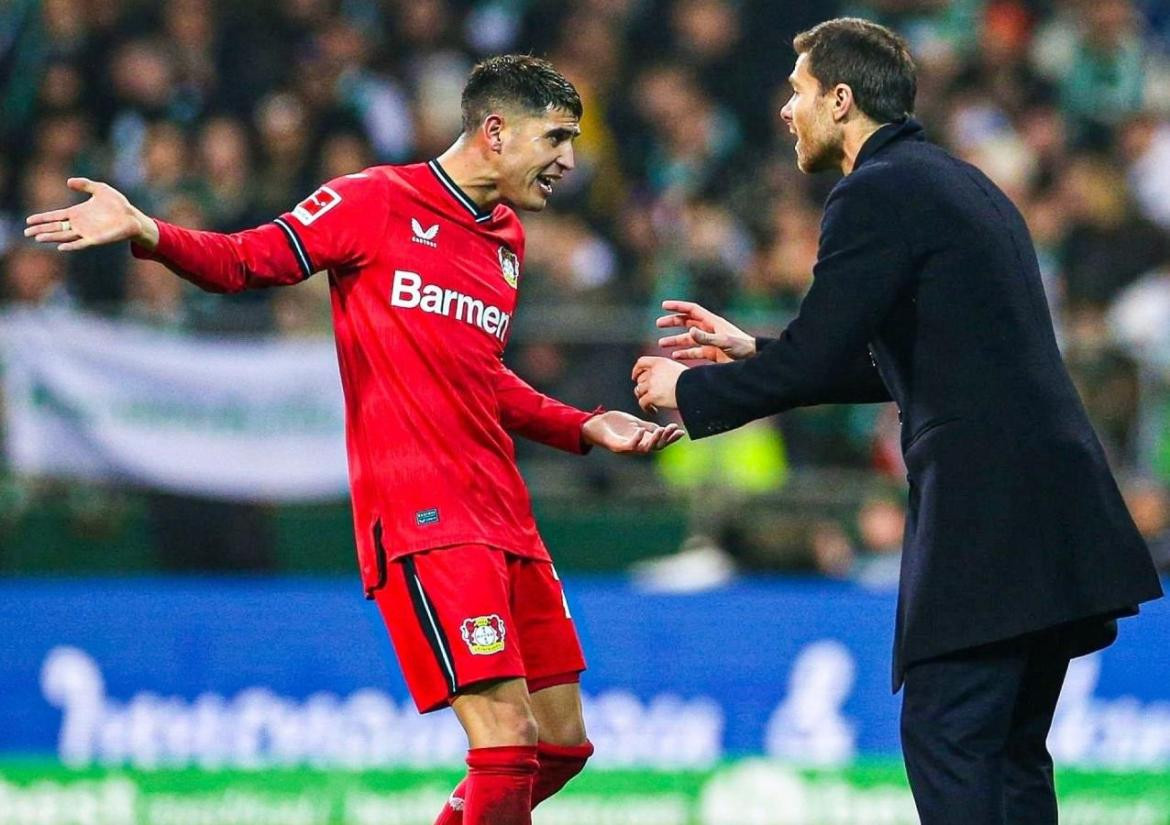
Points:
[220,115]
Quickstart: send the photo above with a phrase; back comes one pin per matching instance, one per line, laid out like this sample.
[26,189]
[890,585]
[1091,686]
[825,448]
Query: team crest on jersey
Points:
[484,634]
[510,266]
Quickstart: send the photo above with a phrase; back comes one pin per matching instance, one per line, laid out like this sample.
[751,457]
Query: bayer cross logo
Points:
[509,267]
[424,236]
[484,635]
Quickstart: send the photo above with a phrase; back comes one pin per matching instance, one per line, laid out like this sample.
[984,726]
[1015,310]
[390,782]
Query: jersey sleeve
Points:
[537,417]
[333,228]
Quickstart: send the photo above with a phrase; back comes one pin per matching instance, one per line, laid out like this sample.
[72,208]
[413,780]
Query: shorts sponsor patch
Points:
[424,517]
[484,634]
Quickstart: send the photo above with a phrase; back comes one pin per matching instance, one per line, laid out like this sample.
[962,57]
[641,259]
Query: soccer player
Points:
[424,263]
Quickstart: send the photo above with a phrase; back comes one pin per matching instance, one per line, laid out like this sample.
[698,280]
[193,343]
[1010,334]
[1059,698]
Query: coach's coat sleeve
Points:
[859,383]
[538,417]
[821,357]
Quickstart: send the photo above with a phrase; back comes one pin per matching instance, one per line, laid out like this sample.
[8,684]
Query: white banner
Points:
[254,419]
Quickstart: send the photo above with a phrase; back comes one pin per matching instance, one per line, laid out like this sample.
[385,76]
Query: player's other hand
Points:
[107,217]
[708,337]
[624,433]
[655,380]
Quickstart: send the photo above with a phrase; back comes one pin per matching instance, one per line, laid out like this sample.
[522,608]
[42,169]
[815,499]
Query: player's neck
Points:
[467,169]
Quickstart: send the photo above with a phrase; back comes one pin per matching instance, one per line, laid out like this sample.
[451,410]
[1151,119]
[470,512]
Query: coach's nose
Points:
[786,112]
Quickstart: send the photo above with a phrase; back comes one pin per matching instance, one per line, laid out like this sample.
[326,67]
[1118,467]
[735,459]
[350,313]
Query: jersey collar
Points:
[457,193]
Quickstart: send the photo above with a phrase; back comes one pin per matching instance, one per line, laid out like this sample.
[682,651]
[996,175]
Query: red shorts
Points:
[464,614]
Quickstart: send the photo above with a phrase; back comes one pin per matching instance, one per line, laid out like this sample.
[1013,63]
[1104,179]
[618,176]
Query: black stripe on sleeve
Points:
[428,620]
[298,248]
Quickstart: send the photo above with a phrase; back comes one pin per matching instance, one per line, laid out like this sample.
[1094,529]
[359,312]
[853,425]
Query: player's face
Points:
[808,114]
[537,151]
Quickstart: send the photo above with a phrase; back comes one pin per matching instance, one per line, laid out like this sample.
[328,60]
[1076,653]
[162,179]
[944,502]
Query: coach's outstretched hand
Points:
[107,217]
[656,382]
[708,337]
[621,432]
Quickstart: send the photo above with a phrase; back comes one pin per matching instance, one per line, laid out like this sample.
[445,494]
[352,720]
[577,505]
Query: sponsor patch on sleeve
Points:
[316,205]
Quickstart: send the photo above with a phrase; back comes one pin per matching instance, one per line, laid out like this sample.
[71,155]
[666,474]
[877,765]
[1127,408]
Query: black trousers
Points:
[974,731]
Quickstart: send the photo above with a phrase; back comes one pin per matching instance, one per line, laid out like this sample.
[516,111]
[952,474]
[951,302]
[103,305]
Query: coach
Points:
[1019,552]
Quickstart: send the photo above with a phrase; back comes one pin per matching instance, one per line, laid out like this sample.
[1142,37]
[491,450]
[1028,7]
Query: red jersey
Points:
[424,289]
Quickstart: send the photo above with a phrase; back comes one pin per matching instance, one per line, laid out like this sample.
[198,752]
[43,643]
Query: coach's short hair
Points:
[870,59]
[516,81]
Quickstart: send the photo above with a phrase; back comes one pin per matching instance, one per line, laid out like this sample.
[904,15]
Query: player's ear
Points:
[493,127]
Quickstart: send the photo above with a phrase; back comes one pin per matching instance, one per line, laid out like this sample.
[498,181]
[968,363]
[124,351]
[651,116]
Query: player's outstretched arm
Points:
[107,217]
[621,432]
[527,412]
[286,251]
[708,337]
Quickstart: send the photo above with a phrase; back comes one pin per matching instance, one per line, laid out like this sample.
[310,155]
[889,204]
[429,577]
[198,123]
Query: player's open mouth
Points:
[545,182]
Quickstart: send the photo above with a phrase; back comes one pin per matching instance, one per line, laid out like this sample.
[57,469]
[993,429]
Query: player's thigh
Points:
[448,612]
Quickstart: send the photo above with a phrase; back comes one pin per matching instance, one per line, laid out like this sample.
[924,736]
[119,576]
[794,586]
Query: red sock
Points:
[499,785]
[452,813]
[558,764]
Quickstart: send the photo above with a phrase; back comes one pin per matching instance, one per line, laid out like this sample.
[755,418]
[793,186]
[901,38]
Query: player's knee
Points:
[567,731]
[511,724]
[523,728]
[496,719]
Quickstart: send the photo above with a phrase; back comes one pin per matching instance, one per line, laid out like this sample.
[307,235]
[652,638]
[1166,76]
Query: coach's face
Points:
[535,151]
[809,114]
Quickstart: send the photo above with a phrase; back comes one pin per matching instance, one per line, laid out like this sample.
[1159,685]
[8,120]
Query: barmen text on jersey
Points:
[409,292]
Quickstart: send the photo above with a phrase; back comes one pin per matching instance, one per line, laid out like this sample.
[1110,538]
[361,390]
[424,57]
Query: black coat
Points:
[927,292]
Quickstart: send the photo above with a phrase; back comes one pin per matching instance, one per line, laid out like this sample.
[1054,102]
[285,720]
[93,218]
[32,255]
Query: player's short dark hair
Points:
[870,59]
[516,81]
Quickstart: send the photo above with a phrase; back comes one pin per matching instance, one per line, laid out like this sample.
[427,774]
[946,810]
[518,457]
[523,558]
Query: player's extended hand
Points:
[708,337]
[107,217]
[655,380]
[625,433]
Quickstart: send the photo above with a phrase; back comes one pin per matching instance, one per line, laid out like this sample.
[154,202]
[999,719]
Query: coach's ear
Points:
[842,103]
[493,127]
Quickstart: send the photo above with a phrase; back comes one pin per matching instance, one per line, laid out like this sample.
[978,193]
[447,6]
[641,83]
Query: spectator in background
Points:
[1149,504]
[190,30]
[692,137]
[1103,63]
[144,91]
[1107,244]
[870,553]
[154,296]
[283,125]
[35,277]
[225,166]
[1145,150]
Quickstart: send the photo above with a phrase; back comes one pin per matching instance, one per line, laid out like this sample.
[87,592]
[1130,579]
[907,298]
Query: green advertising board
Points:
[743,792]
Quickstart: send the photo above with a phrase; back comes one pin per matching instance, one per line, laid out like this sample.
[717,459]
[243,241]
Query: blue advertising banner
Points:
[243,674]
